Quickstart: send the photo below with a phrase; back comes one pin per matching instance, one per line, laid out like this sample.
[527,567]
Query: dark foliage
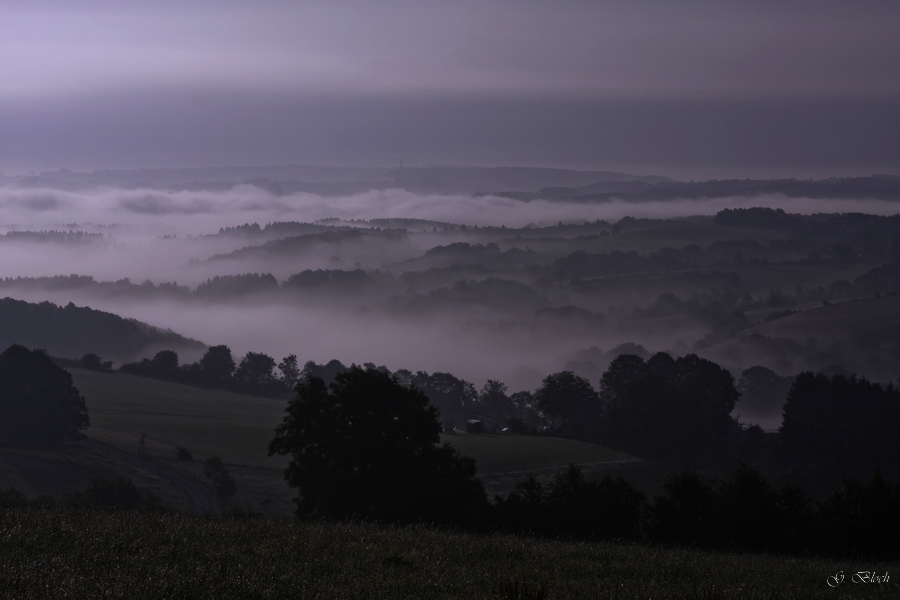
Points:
[493,400]
[570,401]
[571,507]
[455,398]
[39,405]
[668,409]
[839,425]
[366,447]
[217,366]
[236,286]
[745,512]
[741,512]
[860,518]
[256,372]
[326,372]
[335,281]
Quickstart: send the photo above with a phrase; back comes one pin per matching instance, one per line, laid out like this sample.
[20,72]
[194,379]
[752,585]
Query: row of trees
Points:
[254,374]
[677,410]
[366,446]
[743,511]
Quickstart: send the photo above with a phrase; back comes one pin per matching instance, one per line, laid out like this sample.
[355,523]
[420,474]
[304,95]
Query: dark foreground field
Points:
[57,553]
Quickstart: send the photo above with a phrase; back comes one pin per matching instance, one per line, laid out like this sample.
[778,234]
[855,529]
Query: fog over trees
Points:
[554,271]
[493,299]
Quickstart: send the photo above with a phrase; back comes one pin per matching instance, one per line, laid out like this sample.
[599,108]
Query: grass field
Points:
[238,428]
[73,554]
[234,426]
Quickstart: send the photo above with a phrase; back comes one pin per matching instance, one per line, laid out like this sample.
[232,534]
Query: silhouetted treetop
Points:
[366,447]
[39,405]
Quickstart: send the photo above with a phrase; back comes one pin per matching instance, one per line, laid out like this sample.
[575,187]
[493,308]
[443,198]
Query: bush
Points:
[183,454]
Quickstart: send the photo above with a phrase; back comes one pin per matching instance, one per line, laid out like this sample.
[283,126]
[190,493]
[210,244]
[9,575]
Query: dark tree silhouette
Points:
[455,398]
[39,405]
[685,513]
[570,401]
[326,372]
[526,411]
[573,507]
[493,401]
[839,426]
[165,364]
[290,371]
[367,448]
[91,361]
[217,366]
[256,372]
[665,408]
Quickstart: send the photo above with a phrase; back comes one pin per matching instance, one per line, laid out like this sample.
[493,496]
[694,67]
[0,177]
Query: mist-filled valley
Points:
[484,285]
[480,300]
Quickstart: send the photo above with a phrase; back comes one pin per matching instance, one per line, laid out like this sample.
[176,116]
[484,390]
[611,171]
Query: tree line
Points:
[676,410]
[367,446]
[254,374]
[742,511]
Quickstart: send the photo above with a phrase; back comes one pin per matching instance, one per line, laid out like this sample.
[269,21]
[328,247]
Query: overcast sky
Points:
[680,88]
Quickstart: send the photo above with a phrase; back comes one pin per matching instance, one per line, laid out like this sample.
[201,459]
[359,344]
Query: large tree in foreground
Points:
[39,406]
[367,447]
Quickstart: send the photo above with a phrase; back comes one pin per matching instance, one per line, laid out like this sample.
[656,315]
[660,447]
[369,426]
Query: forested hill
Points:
[72,331]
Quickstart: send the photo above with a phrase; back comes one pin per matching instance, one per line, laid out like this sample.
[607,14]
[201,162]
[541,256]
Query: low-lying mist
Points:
[444,320]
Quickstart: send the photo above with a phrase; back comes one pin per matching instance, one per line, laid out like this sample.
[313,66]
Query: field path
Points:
[200,500]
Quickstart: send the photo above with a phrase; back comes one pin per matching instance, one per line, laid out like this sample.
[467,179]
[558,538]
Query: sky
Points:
[683,88]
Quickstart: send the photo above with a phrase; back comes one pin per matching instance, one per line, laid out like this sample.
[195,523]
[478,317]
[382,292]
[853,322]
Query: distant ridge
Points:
[521,183]
[336,180]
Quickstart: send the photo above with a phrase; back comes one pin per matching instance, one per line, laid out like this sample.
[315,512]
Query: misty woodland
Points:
[276,320]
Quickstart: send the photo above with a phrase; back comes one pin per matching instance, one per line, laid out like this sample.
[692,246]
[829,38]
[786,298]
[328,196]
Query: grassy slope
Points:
[234,426]
[54,553]
[842,320]
[238,428]
[43,472]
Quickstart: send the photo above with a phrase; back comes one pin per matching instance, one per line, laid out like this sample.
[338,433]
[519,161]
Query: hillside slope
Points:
[72,331]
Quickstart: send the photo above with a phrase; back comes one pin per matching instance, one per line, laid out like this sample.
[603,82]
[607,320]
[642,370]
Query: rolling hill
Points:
[72,331]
